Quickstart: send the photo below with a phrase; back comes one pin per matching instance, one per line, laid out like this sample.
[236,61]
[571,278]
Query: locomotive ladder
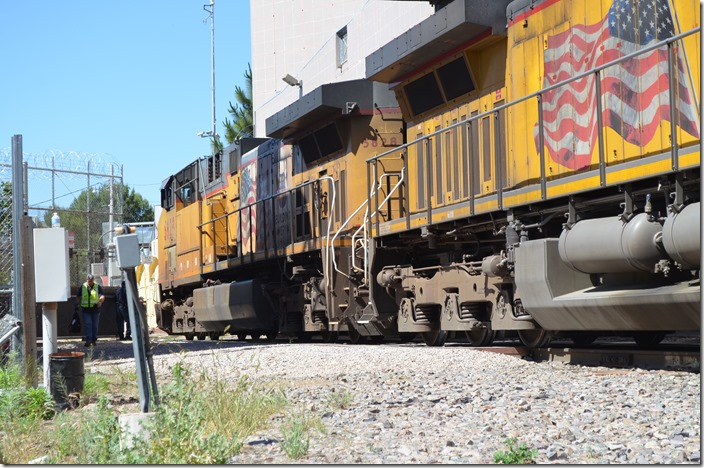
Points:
[362,241]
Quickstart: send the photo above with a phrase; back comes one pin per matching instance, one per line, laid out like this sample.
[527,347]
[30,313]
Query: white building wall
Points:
[298,37]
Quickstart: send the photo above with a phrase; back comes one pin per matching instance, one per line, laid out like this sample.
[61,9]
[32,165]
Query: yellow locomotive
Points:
[538,171]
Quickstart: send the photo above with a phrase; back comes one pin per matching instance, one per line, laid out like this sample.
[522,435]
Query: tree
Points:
[92,208]
[135,208]
[242,124]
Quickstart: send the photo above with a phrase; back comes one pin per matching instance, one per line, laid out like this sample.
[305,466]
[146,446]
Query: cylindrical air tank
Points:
[681,236]
[611,245]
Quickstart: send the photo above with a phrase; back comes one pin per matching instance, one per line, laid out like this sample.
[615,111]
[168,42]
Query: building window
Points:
[341,46]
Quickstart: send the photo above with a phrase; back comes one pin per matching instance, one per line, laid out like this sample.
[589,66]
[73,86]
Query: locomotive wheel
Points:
[271,336]
[241,336]
[215,336]
[483,336]
[435,338]
[329,336]
[583,338]
[648,339]
[190,336]
[355,336]
[537,338]
[200,335]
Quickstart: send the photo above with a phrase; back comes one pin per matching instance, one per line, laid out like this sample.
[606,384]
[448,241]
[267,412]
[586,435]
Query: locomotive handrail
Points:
[254,204]
[365,239]
[339,230]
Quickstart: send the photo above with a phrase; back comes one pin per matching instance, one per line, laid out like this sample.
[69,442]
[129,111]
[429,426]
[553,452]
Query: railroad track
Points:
[676,358]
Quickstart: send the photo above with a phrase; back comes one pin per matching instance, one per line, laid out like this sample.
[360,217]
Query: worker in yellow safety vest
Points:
[91,297]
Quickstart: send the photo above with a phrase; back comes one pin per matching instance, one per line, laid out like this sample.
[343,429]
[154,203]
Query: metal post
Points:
[673,105]
[111,206]
[17,216]
[140,343]
[600,130]
[406,189]
[49,337]
[429,178]
[497,161]
[541,140]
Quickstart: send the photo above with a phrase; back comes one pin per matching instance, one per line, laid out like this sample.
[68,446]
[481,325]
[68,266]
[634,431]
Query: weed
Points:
[515,455]
[201,419]
[296,438]
[339,400]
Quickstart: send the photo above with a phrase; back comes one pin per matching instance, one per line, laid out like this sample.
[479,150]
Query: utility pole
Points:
[211,10]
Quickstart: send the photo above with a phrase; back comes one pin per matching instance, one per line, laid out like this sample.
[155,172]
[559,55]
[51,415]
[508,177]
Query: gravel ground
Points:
[414,404]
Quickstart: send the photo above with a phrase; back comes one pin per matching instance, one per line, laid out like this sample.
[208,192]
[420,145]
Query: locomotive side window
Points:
[455,79]
[341,47]
[423,94]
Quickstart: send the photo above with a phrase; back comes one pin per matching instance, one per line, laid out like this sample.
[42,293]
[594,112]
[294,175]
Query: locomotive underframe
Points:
[433,286]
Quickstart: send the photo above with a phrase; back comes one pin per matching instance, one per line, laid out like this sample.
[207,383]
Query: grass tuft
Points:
[516,454]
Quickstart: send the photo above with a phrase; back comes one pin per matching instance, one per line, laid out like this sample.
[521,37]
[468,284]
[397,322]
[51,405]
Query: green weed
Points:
[296,439]
[515,455]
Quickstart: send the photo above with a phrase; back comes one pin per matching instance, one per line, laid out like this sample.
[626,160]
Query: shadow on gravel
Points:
[109,349]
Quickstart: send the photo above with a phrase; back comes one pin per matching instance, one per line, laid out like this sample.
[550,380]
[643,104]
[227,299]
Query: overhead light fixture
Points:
[291,81]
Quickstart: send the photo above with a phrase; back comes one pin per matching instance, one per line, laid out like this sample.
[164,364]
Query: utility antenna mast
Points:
[211,10]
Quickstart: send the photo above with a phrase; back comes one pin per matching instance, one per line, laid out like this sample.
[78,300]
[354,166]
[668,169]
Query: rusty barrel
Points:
[66,374]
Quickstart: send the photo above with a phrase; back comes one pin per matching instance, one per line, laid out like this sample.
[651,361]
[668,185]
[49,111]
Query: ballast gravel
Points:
[408,403]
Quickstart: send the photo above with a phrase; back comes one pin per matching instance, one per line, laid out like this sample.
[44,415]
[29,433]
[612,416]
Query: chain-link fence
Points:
[85,190]
[6,252]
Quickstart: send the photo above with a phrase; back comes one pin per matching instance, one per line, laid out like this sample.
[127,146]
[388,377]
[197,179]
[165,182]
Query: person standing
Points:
[91,297]
[122,313]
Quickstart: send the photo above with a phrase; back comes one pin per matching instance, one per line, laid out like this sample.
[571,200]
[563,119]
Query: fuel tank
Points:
[243,305]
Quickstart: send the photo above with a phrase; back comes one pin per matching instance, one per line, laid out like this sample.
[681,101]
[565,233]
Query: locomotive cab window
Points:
[448,82]
[320,144]
[455,79]
[423,94]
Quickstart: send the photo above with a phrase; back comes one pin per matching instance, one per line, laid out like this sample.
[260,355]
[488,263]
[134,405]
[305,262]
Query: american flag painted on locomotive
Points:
[635,94]
[248,195]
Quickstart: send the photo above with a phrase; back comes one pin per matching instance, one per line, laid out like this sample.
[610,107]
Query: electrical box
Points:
[127,248]
[51,268]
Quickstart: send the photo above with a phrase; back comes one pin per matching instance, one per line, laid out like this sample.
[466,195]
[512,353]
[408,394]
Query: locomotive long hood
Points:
[460,22]
[328,102]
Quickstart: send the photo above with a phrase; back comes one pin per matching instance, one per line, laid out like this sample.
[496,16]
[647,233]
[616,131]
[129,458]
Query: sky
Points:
[127,80]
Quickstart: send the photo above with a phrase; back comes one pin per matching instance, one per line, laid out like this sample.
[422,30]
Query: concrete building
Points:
[315,42]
